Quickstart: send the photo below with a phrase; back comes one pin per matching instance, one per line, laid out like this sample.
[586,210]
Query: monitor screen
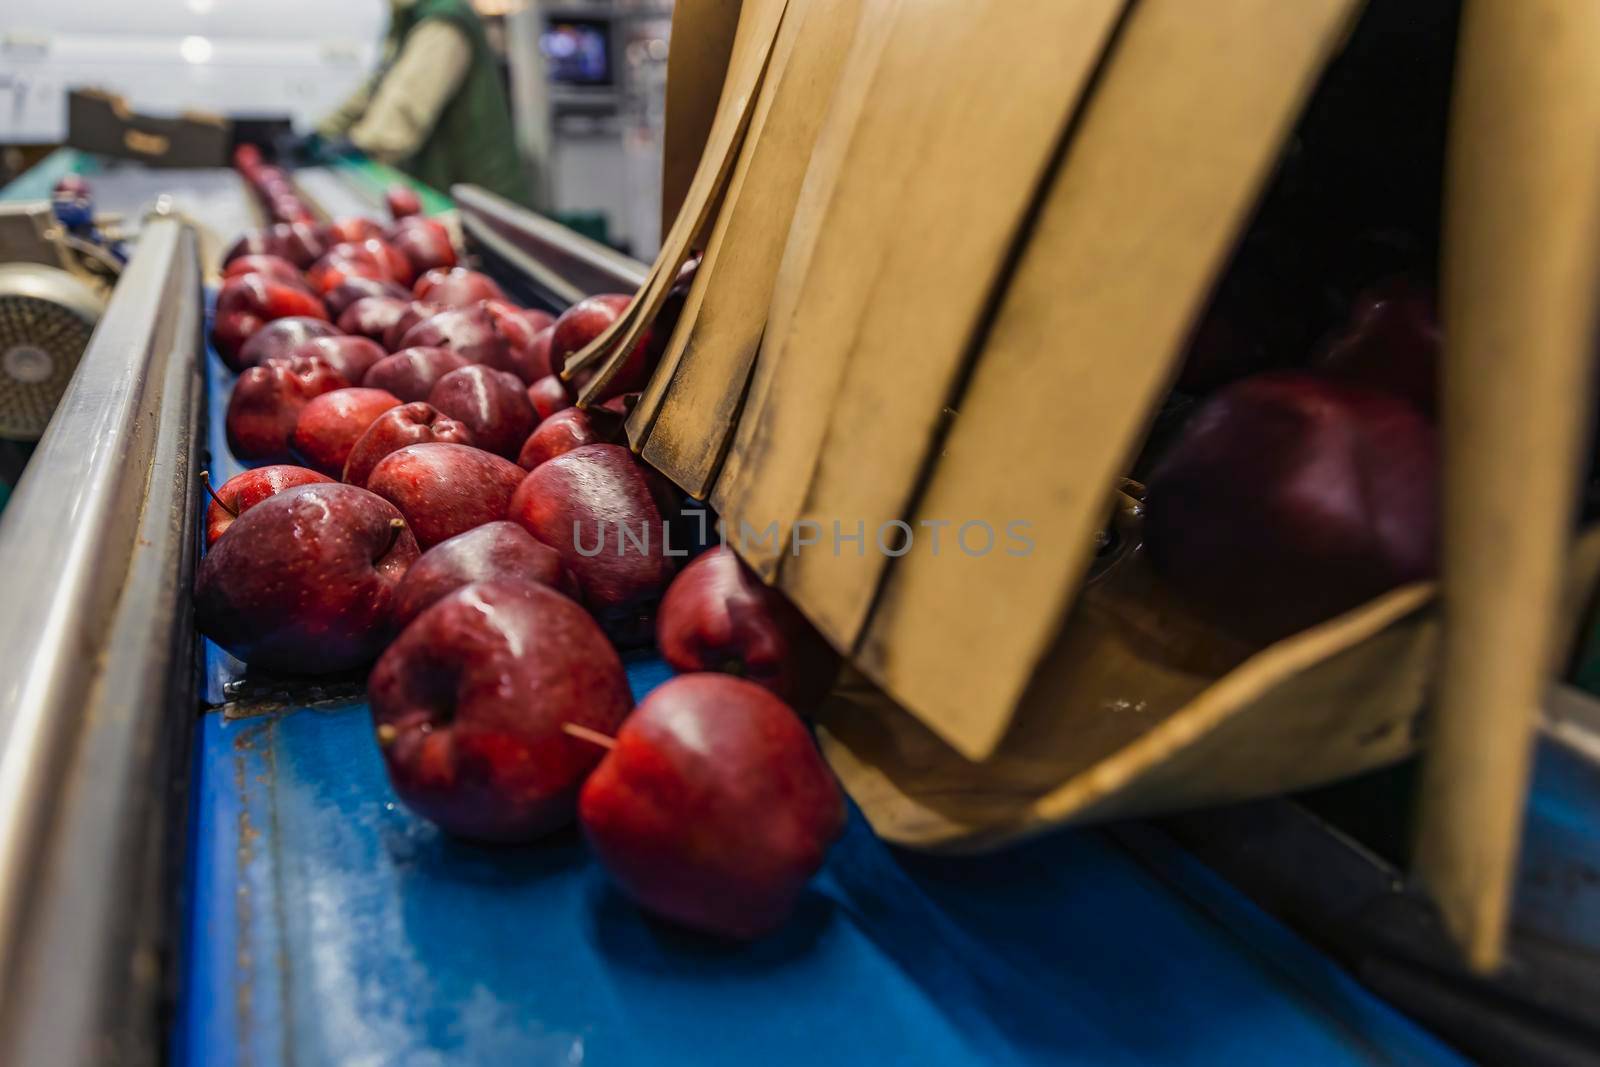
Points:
[577,51]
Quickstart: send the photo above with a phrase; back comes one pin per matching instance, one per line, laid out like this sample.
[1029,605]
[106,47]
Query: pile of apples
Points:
[427,505]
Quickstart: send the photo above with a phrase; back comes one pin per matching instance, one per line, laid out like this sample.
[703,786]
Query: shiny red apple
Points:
[445,489]
[470,701]
[582,323]
[248,302]
[357,288]
[409,424]
[304,581]
[279,338]
[718,616]
[402,201]
[595,507]
[425,243]
[560,433]
[352,357]
[492,403]
[245,490]
[713,808]
[494,552]
[414,312]
[372,317]
[457,287]
[1288,499]
[266,403]
[548,396]
[330,425]
[411,373]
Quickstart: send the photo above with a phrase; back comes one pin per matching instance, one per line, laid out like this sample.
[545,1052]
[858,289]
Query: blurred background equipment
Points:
[586,82]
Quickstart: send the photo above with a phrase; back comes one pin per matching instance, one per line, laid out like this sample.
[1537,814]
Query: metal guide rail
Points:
[97,676]
[554,264]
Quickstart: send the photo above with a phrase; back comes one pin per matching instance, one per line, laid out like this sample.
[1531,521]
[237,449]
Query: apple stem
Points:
[594,737]
[205,479]
[395,526]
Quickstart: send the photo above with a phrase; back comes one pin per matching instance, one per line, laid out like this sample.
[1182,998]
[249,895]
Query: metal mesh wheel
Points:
[44,329]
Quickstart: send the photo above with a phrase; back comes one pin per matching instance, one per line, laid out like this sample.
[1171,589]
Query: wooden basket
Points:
[952,256]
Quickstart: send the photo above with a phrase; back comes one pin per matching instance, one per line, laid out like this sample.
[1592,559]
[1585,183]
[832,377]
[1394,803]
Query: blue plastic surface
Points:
[326,924]
[331,926]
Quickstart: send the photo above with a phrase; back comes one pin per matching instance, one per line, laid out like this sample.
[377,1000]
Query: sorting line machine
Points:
[198,866]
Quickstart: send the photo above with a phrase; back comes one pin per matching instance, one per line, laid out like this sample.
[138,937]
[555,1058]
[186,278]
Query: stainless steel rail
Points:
[561,267]
[97,676]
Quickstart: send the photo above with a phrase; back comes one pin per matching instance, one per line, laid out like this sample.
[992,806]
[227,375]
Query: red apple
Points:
[244,491]
[473,333]
[533,362]
[469,705]
[582,323]
[280,337]
[526,359]
[713,808]
[274,267]
[560,433]
[494,552]
[492,403]
[402,201]
[409,424]
[445,489]
[357,288]
[425,243]
[718,616]
[411,373]
[305,580]
[266,403]
[1392,342]
[345,261]
[257,242]
[548,396]
[289,208]
[249,302]
[354,229]
[372,317]
[393,260]
[330,425]
[1288,498]
[457,287]
[296,242]
[415,312]
[594,506]
[352,357]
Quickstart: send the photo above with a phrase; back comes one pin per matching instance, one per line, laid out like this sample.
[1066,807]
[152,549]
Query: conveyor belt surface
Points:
[328,924]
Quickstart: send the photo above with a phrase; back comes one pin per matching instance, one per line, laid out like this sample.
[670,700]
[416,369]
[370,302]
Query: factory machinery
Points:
[198,868]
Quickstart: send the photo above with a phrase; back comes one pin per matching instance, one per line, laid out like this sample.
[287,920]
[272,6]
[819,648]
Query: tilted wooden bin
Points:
[952,258]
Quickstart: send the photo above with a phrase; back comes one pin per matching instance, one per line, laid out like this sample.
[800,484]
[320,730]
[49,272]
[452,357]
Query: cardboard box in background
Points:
[102,123]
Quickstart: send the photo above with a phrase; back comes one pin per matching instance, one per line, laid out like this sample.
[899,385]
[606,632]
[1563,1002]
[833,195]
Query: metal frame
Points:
[1359,908]
[97,677]
[559,266]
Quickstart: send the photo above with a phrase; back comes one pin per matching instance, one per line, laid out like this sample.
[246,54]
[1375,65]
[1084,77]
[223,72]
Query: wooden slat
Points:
[967,105]
[1522,241]
[697,65]
[1178,139]
[709,361]
[806,230]
[758,27]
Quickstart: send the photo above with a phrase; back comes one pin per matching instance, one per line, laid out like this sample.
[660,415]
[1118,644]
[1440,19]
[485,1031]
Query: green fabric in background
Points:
[473,140]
